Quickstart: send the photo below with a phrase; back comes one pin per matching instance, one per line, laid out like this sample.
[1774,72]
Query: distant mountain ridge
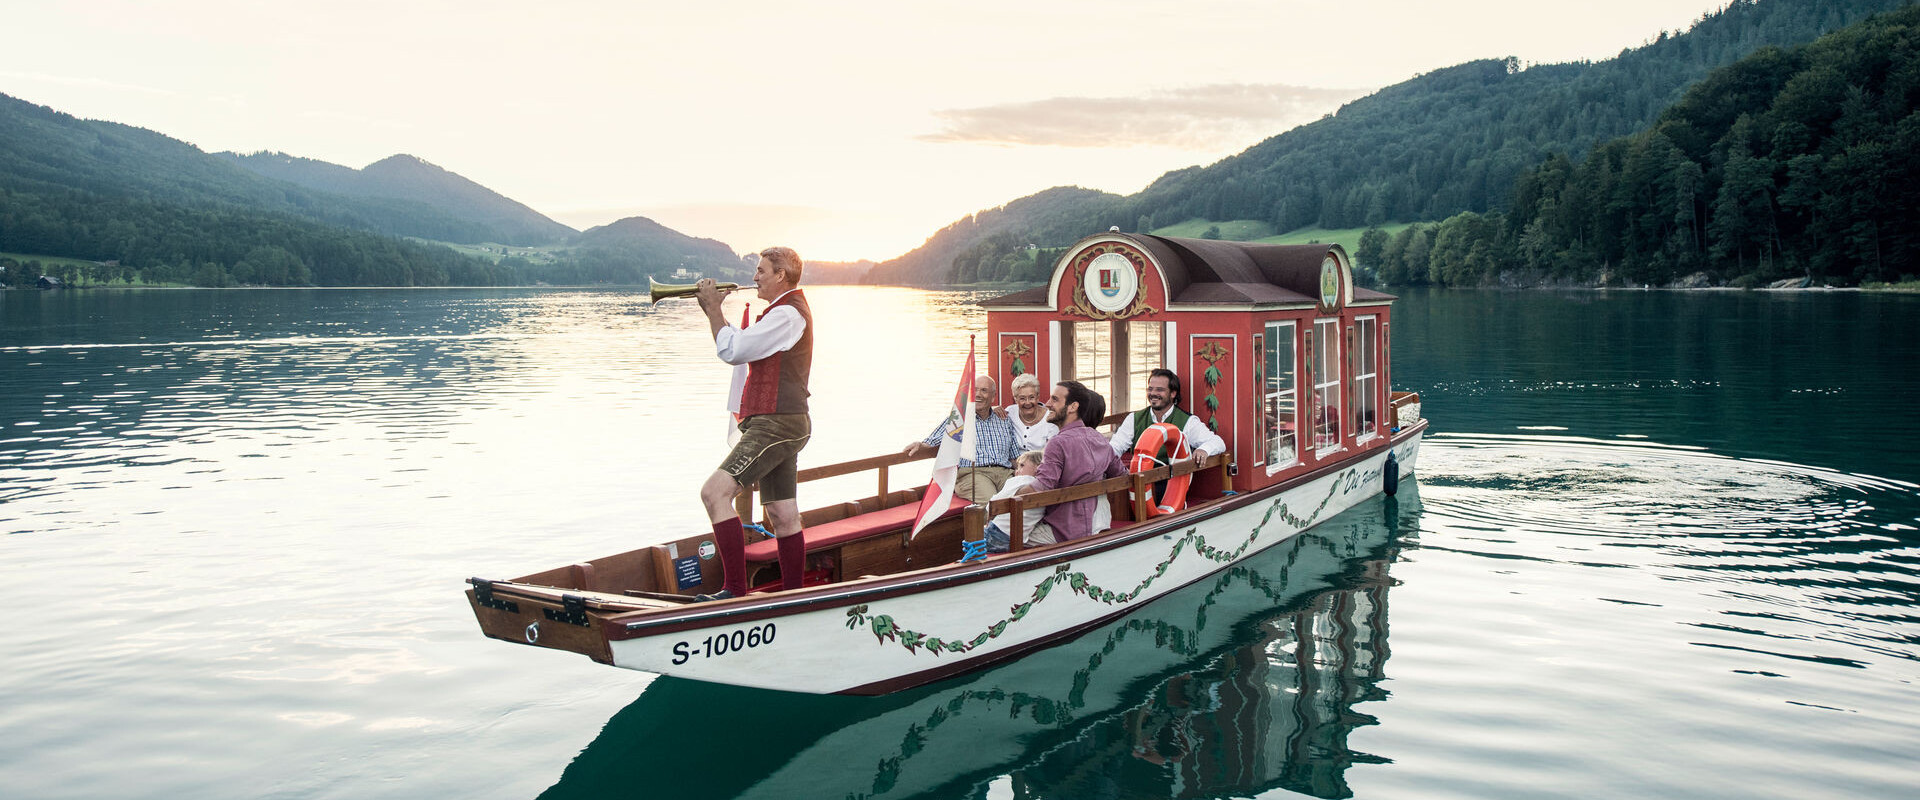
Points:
[409,178]
[152,209]
[1448,141]
[645,239]
[42,149]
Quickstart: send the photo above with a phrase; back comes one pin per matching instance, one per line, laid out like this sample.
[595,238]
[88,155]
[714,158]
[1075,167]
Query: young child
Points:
[999,531]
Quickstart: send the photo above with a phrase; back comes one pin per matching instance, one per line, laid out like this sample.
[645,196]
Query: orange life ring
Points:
[1146,454]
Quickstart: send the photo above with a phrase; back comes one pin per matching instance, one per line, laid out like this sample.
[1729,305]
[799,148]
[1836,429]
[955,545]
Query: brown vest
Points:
[777,384]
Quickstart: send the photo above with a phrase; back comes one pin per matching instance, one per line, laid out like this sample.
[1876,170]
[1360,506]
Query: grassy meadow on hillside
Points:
[1252,230]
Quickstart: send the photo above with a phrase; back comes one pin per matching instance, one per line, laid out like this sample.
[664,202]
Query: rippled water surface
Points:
[1661,545]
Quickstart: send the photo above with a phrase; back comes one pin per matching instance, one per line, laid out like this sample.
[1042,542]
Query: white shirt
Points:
[1030,517]
[1035,436]
[1102,513]
[1200,438]
[776,332]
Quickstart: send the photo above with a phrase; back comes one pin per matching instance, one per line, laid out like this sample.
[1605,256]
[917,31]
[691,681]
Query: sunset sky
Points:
[846,130]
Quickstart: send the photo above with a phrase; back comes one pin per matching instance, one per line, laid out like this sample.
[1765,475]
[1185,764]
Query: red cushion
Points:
[840,531]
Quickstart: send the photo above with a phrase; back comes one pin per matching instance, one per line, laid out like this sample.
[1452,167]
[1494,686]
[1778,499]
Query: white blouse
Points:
[1035,436]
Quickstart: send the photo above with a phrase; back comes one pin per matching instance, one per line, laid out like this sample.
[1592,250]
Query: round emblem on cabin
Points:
[707,550]
[1111,282]
[1330,283]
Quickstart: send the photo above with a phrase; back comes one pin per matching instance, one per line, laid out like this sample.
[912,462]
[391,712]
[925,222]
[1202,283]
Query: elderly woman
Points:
[1029,413]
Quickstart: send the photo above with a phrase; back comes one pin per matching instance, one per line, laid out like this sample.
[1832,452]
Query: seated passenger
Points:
[996,443]
[1000,530]
[1077,454]
[1029,413]
[1163,405]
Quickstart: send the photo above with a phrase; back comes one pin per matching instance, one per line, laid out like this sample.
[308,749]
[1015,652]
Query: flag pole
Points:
[973,468]
[956,443]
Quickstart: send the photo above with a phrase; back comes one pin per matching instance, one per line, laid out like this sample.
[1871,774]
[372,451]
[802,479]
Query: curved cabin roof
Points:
[1210,272]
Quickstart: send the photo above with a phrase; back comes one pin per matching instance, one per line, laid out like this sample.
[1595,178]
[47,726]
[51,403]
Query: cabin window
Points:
[1280,420]
[1093,356]
[1116,358]
[1366,375]
[1323,360]
[1145,352]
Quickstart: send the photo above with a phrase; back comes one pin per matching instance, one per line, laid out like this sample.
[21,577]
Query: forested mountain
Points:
[996,237]
[404,177]
[1445,142]
[630,250]
[213,244]
[160,210]
[42,149]
[826,272]
[1798,163]
[147,208]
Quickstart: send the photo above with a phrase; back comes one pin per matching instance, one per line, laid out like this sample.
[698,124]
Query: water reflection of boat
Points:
[1228,687]
[1281,355]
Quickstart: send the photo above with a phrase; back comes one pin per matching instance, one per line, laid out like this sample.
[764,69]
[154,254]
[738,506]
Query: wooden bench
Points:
[838,532]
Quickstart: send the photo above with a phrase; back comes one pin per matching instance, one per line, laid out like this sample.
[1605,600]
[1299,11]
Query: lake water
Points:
[1661,545]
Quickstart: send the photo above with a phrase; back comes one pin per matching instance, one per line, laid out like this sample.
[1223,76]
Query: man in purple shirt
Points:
[1077,454]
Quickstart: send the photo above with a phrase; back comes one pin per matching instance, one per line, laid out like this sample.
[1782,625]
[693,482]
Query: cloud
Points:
[1199,118]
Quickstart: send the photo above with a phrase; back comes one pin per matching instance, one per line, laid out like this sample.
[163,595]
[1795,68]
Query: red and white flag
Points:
[956,442]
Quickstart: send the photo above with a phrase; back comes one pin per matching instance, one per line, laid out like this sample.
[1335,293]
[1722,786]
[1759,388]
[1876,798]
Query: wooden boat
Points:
[1265,663]
[1279,352]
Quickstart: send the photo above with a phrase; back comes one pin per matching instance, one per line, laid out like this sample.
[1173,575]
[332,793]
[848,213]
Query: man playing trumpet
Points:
[772,406]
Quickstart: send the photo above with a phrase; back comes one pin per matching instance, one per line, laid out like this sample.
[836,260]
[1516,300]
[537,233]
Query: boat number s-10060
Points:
[721,644]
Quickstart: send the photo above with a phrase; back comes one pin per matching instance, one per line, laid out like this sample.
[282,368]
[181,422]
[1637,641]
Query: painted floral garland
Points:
[1049,711]
[885,629]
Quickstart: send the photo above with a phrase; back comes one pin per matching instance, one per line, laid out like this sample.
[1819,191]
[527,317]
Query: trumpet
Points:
[658,291]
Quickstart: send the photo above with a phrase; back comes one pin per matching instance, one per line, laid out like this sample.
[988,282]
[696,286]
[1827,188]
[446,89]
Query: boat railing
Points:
[1133,489]
[1137,486]
[884,496]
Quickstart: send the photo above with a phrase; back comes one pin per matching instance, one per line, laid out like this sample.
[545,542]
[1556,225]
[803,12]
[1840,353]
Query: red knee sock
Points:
[731,539]
[793,560]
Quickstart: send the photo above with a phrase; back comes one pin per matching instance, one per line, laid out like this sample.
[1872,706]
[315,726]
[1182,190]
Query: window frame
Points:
[1366,384]
[1328,423]
[1136,391]
[1275,339]
[1074,338]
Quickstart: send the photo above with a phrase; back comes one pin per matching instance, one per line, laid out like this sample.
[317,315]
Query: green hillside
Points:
[1450,141]
[409,179]
[1798,165]
[43,150]
[108,204]
[1233,230]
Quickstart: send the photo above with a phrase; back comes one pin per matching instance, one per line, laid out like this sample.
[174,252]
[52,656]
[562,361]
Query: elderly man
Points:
[1077,454]
[772,405]
[996,445]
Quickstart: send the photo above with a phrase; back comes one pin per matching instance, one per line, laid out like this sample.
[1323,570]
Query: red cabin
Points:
[1277,350]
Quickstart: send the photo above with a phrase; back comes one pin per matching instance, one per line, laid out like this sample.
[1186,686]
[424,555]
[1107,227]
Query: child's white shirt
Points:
[1032,515]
